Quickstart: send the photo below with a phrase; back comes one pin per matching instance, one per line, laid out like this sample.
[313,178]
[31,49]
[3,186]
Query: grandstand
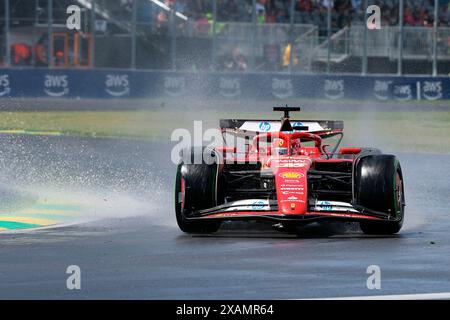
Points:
[299,36]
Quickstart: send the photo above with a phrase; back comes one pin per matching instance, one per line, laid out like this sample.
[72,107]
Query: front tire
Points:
[195,189]
[379,186]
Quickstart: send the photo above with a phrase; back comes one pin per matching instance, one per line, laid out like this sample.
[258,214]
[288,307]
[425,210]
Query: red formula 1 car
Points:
[287,175]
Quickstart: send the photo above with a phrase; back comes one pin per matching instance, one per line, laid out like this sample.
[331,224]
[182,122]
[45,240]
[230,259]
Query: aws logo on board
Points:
[117,85]
[5,88]
[230,87]
[56,85]
[282,88]
[382,89]
[175,86]
[334,89]
[432,90]
[403,92]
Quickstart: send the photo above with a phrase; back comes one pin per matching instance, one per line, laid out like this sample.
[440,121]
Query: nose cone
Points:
[291,183]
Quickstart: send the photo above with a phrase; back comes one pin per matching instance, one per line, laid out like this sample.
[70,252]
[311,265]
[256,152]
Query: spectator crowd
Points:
[344,12]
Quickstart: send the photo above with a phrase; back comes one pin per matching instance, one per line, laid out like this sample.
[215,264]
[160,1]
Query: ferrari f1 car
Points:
[287,175]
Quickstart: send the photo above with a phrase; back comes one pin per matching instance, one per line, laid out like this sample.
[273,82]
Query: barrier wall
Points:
[61,83]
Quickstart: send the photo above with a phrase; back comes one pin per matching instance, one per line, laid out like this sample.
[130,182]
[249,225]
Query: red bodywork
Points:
[290,173]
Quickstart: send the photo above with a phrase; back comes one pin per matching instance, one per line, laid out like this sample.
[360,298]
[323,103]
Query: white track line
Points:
[420,296]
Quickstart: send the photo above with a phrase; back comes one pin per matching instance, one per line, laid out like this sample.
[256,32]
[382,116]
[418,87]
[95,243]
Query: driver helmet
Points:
[296,146]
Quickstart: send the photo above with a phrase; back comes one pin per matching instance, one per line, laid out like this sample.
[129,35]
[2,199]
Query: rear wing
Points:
[252,127]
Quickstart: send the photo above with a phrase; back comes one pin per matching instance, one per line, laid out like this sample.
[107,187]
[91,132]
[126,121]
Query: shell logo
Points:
[291,175]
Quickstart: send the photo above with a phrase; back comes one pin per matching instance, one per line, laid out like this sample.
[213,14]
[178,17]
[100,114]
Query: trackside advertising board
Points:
[94,83]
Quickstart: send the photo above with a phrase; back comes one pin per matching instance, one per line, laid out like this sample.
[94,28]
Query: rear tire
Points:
[195,189]
[379,186]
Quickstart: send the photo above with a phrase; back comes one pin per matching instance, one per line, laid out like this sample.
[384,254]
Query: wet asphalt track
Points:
[135,251]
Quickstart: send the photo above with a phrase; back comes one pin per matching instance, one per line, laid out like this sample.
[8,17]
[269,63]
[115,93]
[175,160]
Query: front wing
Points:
[258,209]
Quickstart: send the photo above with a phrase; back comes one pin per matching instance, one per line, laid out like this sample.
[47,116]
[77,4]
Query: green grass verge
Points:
[411,131]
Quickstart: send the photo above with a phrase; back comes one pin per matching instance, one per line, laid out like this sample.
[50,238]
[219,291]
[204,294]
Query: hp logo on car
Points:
[264,126]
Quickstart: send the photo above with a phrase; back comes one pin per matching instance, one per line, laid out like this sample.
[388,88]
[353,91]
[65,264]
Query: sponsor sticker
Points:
[298,186]
[291,201]
[286,193]
[325,205]
[292,165]
[258,205]
[265,126]
[291,159]
[298,124]
[293,181]
[292,162]
[291,189]
[334,206]
[291,175]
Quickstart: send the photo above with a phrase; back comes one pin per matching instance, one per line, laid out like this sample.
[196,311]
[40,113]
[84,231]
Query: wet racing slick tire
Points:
[195,189]
[379,186]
